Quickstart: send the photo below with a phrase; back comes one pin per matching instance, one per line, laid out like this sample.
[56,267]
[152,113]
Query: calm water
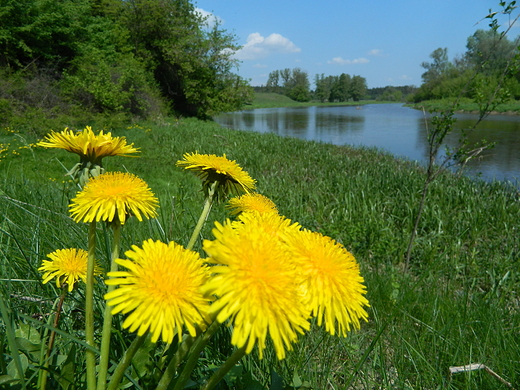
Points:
[400,130]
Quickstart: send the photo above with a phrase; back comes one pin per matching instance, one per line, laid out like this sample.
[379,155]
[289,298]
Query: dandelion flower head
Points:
[68,266]
[161,289]
[330,279]
[210,168]
[251,202]
[88,145]
[113,196]
[255,283]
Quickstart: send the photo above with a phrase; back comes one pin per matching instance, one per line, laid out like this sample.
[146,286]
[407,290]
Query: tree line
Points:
[489,66]
[295,84]
[130,57]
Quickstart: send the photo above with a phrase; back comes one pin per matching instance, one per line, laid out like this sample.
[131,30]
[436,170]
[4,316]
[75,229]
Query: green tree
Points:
[323,87]
[273,82]
[438,67]
[191,63]
[489,51]
[358,88]
[42,33]
[298,86]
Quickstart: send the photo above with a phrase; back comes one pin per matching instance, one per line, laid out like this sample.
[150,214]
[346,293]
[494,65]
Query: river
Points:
[399,130]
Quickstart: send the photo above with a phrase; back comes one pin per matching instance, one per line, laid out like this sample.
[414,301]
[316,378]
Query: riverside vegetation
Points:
[456,304]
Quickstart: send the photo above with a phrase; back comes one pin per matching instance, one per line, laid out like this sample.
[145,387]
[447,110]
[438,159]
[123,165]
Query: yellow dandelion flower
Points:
[251,202]
[113,196]
[67,266]
[255,283]
[211,168]
[87,145]
[162,289]
[330,279]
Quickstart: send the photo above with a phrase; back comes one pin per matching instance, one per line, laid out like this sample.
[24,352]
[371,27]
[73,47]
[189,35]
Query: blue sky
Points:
[384,41]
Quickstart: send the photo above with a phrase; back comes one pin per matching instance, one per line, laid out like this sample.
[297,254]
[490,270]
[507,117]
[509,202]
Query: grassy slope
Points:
[272,100]
[459,303]
[467,105]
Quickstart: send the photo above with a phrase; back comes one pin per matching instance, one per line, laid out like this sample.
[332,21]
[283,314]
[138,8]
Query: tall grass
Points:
[457,304]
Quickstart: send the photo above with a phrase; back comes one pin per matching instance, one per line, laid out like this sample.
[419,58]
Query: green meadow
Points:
[273,100]
[457,304]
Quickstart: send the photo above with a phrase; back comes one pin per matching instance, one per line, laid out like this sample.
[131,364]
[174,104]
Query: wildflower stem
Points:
[203,215]
[89,308]
[125,362]
[107,318]
[224,369]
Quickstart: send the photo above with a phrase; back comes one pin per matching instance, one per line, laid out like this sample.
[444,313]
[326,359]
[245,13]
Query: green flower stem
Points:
[195,351]
[203,215]
[170,371]
[52,337]
[224,369]
[107,319]
[125,362]
[89,308]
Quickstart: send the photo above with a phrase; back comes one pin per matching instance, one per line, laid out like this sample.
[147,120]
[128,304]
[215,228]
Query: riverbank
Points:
[457,304]
[466,106]
[275,100]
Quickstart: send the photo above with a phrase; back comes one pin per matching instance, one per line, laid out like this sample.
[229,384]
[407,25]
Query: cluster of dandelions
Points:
[262,274]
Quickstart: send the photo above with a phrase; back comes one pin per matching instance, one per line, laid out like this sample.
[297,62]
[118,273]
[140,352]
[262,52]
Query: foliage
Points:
[293,83]
[137,58]
[490,61]
[340,88]
[392,93]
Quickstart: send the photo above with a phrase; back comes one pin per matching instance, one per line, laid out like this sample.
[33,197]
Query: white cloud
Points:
[259,47]
[341,61]
[211,19]
[259,66]
[375,52]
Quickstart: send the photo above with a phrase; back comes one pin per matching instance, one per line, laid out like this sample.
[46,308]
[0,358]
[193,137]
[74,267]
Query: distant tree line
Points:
[295,84]
[475,74]
[391,93]
[130,57]
[340,88]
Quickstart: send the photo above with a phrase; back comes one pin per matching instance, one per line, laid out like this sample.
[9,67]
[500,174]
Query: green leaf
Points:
[11,367]
[28,347]
[296,381]
[68,369]
[26,331]
[141,360]
[276,381]
[250,383]
[7,379]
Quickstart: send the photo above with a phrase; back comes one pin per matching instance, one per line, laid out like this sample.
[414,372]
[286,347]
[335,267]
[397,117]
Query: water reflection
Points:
[400,130]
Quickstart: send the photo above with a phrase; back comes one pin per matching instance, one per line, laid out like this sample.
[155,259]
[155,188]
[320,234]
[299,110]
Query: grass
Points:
[274,100]
[458,303]
[467,105]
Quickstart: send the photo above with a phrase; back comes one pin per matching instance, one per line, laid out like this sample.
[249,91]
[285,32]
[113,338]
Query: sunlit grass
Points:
[457,305]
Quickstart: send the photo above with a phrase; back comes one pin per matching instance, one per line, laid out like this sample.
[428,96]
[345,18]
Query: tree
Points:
[297,87]
[438,67]
[124,55]
[489,51]
[358,88]
[191,65]
[273,82]
[293,83]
